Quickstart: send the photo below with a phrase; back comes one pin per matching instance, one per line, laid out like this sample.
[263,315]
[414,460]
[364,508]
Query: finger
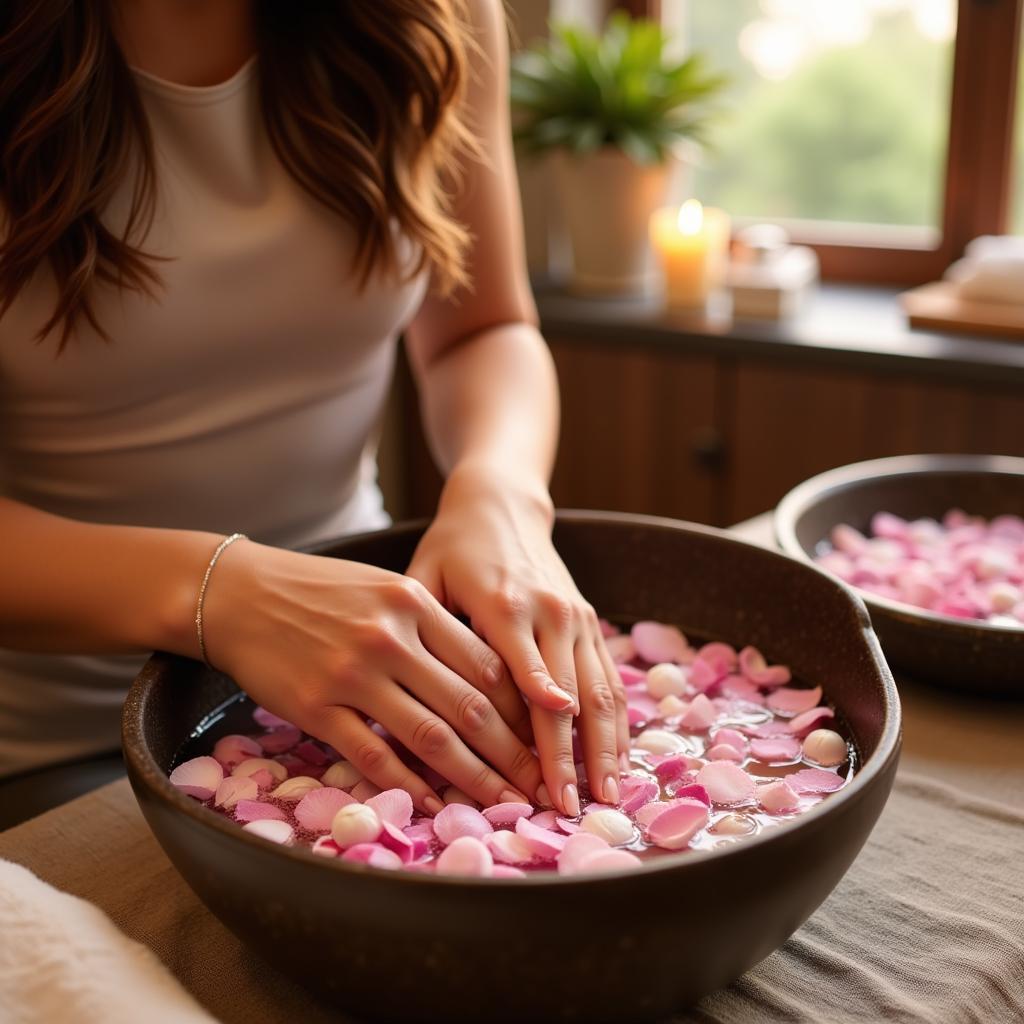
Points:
[372,756]
[511,635]
[430,576]
[553,734]
[458,647]
[473,717]
[619,692]
[436,744]
[596,723]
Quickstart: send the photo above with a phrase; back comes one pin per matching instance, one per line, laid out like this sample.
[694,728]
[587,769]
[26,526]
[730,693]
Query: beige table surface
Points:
[928,925]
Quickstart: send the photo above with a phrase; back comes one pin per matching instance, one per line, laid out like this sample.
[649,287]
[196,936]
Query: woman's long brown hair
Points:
[360,102]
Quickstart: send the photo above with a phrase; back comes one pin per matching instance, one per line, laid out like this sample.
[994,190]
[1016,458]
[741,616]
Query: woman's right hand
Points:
[323,642]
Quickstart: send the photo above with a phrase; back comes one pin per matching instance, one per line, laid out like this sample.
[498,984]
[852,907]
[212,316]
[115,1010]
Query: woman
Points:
[217,218]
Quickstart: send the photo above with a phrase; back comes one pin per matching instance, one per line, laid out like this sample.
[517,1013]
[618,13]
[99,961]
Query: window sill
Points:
[858,327]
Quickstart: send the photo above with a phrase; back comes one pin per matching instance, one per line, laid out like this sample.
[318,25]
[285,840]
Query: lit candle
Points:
[692,244]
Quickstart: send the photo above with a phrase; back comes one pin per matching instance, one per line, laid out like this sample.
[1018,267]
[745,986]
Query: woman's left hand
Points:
[489,556]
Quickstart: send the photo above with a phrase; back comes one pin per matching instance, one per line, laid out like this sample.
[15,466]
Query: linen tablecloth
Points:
[927,926]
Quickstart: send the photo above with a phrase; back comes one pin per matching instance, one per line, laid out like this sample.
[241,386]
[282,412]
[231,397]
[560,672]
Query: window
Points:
[901,112]
[836,111]
[1018,184]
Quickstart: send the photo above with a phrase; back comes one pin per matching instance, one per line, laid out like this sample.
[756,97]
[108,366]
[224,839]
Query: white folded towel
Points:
[62,961]
[992,270]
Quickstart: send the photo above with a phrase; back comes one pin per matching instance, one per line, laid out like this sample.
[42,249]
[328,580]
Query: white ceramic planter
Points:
[607,200]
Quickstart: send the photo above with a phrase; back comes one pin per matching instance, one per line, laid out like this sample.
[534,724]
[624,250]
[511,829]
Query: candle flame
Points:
[691,217]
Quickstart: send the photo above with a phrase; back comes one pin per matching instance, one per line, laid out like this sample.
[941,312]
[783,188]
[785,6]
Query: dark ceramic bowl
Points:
[965,654]
[617,947]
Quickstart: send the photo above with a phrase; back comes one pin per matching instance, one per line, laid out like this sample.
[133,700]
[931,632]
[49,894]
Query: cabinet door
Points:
[639,432]
[791,423]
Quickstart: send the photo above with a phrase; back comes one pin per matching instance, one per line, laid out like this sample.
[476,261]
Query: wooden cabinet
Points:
[717,438]
[639,432]
[790,422]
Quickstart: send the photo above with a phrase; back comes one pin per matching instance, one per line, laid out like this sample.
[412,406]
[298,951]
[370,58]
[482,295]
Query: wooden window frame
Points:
[979,156]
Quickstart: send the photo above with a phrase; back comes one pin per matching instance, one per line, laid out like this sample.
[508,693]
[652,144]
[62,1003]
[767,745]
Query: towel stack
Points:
[992,270]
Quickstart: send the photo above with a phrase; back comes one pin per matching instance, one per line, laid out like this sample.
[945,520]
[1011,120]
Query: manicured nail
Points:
[611,789]
[513,796]
[571,800]
[566,699]
[433,805]
[543,796]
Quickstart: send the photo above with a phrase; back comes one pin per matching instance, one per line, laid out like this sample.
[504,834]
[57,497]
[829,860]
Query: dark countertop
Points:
[841,326]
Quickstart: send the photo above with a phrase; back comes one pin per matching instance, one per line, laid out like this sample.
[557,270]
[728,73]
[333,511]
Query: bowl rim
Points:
[802,497]
[143,769]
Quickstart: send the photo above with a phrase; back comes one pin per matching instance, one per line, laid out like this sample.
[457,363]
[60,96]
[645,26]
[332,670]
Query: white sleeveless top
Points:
[245,396]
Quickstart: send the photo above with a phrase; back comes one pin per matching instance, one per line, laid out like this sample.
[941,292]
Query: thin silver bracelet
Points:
[221,548]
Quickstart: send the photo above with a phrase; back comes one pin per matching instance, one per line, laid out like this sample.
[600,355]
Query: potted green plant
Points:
[614,109]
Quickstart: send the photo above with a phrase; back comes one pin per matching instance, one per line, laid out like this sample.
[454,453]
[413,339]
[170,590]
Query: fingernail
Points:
[567,699]
[571,800]
[543,796]
[611,789]
[433,805]
[512,796]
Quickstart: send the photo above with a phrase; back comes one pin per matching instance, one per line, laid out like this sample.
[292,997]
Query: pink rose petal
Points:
[768,730]
[257,810]
[545,844]
[674,766]
[641,708]
[704,675]
[507,813]
[815,780]
[656,642]
[607,629]
[726,783]
[632,676]
[374,855]
[777,796]
[740,688]
[393,805]
[279,740]
[457,820]
[724,752]
[577,848]
[700,715]
[776,751]
[674,828]
[567,825]
[732,737]
[233,789]
[325,846]
[809,721]
[253,766]
[198,777]
[789,702]
[508,847]
[272,829]
[268,720]
[545,819]
[234,749]
[316,810]
[506,871]
[365,790]
[609,860]
[721,657]
[466,855]
[310,752]
[694,792]
[394,839]
[635,791]
[620,648]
